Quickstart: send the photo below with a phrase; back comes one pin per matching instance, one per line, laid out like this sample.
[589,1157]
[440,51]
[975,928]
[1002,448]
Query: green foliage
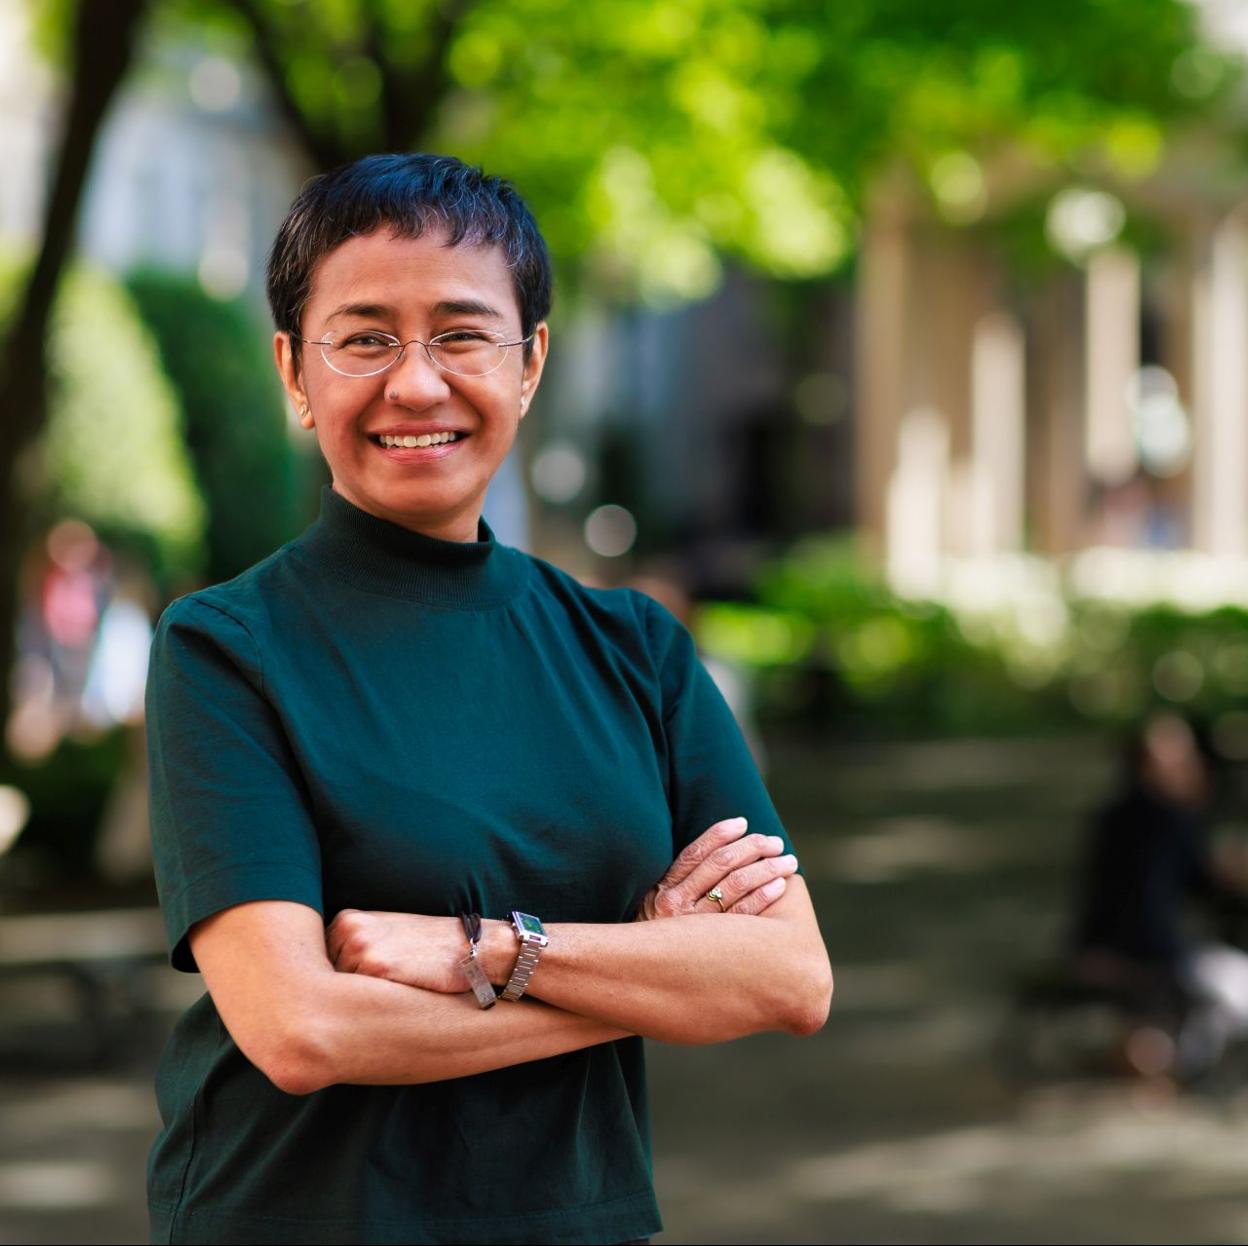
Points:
[647,136]
[51,22]
[831,645]
[755,635]
[1121,661]
[111,452]
[655,138]
[233,418]
[1063,79]
[833,648]
[659,136]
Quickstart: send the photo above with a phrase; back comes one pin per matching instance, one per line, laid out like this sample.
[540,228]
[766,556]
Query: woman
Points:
[393,721]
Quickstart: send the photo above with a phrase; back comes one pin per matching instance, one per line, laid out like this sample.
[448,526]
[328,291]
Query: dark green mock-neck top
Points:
[377,719]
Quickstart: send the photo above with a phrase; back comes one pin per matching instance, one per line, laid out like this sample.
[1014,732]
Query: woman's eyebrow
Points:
[361,309]
[466,307]
[448,307]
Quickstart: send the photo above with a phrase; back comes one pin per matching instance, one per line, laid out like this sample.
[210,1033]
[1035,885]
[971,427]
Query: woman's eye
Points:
[367,339]
[458,337]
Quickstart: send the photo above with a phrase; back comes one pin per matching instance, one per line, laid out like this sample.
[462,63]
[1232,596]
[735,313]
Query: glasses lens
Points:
[361,354]
[469,352]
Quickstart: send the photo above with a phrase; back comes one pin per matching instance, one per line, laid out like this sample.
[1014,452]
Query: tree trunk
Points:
[410,92]
[103,42]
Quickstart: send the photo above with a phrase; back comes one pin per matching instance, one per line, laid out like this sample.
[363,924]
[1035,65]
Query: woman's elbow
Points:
[296,1077]
[811,1002]
[295,1060]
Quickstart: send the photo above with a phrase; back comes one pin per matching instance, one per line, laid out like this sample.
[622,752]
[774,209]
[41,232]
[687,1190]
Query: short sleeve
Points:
[229,814]
[711,773]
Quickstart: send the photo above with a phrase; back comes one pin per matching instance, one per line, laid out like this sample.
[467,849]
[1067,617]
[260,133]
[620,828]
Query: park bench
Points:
[100,953]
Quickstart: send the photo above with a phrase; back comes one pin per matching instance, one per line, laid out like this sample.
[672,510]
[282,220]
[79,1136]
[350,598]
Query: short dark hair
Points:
[411,193]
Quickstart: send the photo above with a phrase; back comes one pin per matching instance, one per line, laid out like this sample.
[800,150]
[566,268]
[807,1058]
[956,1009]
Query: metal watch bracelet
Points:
[533,938]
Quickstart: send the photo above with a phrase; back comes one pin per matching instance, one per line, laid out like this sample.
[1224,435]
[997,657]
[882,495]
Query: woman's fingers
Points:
[337,935]
[715,837]
[760,899]
[723,856]
[672,894]
[412,948]
[718,870]
[753,887]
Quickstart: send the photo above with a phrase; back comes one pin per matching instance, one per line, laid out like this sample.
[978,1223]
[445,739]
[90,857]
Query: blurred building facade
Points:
[1101,403]
[192,171]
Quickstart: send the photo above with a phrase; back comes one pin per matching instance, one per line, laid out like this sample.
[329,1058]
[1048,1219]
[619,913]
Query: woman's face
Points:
[412,288]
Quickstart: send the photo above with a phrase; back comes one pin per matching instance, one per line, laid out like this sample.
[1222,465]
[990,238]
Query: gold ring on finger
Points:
[718,896]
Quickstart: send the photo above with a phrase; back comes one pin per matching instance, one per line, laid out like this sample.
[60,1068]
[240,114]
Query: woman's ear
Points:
[288,370]
[533,366]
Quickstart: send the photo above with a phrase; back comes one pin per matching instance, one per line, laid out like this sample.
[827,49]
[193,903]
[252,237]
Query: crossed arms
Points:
[378,999]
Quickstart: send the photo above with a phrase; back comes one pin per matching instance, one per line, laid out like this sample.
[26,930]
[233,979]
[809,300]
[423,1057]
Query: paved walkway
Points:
[938,869]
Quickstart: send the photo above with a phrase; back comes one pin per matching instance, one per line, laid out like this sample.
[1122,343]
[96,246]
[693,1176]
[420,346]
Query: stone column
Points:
[917,501]
[940,403]
[952,297]
[881,298]
[1176,291]
[1220,390]
[998,430]
[1112,320]
[1056,472]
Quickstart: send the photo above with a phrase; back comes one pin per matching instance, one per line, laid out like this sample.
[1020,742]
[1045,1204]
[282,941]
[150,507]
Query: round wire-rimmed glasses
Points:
[465,352]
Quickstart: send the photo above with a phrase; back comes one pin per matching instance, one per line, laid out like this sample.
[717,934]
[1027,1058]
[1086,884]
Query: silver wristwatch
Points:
[532,935]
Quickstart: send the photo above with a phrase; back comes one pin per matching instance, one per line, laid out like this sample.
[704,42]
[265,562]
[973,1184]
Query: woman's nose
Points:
[415,380]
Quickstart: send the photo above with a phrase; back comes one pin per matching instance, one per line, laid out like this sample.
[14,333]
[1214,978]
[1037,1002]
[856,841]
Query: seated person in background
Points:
[1148,857]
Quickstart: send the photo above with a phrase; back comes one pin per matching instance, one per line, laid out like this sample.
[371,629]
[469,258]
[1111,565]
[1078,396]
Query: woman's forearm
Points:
[306,1027]
[695,979]
[367,1031]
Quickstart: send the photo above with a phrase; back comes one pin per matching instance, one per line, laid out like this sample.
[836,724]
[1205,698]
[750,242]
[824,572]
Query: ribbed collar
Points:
[383,557]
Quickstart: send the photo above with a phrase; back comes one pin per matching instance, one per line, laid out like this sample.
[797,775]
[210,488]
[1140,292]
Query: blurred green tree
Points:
[233,414]
[655,138]
[114,417]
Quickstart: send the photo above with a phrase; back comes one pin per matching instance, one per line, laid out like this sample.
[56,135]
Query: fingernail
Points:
[738,823]
[775,843]
[773,888]
[788,861]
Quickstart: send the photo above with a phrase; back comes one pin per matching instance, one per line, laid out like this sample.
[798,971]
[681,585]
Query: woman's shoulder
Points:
[626,606]
[624,614]
[231,615]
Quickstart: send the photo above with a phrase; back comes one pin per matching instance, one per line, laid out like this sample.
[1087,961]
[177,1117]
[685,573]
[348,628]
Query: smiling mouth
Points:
[412,442]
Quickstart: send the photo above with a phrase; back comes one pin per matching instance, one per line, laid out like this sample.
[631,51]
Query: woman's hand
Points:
[749,871]
[423,951]
[404,947]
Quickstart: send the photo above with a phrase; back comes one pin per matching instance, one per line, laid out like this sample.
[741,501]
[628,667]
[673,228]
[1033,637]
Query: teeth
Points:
[411,442]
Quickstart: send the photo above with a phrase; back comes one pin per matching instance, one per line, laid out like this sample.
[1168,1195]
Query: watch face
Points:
[528,923]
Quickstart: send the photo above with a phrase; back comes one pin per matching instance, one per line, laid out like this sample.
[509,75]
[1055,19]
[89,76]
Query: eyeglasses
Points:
[466,352]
